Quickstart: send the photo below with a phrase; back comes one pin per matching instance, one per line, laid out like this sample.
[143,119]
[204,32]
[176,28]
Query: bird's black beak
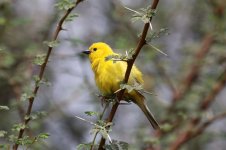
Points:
[86,51]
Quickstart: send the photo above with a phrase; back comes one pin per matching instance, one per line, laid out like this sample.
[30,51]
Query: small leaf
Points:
[91,113]
[18,127]
[39,59]
[117,145]
[26,117]
[101,123]
[36,78]
[25,141]
[26,96]
[2,133]
[166,127]
[65,4]
[52,43]
[37,115]
[43,136]
[12,138]
[144,14]
[84,146]
[45,82]
[71,17]
[112,57]
[4,108]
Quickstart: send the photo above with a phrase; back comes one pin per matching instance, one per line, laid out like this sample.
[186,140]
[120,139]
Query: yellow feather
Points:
[108,76]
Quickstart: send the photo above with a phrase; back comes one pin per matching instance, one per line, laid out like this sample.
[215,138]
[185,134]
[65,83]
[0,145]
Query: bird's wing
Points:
[136,75]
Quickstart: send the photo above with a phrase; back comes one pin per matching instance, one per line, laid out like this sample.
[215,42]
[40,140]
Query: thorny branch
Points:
[194,71]
[41,73]
[130,63]
[196,126]
[212,94]
[194,131]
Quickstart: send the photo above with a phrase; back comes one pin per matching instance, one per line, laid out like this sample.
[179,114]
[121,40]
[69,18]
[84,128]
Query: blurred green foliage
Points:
[22,51]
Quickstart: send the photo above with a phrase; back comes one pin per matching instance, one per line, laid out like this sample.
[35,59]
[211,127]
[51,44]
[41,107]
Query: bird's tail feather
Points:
[143,106]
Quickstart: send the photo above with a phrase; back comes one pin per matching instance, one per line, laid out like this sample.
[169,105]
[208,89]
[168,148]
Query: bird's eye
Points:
[94,49]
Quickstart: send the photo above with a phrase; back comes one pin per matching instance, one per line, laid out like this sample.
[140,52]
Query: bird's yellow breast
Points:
[109,75]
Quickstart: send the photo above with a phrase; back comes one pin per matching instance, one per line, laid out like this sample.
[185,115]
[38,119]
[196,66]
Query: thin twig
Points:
[130,63]
[41,73]
[96,125]
[100,118]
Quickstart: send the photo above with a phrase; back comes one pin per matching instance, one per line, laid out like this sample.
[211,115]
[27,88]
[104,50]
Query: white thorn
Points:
[132,10]
[158,49]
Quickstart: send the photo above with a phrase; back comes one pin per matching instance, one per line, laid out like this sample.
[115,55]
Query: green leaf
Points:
[130,88]
[18,127]
[120,57]
[151,140]
[39,59]
[117,145]
[36,78]
[45,82]
[144,14]
[25,140]
[52,43]
[84,146]
[158,34]
[101,123]
[2,133]
[71,17]
[12,138]
[91,113]
[4,108]
[112,57]
[26,96]
[36,115]
[166,127]
[65,4]
[43,136]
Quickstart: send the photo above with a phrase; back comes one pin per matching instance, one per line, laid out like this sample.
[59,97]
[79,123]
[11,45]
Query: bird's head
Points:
[98,50]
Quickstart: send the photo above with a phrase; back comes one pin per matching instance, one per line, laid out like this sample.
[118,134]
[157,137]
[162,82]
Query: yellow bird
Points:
[109,75]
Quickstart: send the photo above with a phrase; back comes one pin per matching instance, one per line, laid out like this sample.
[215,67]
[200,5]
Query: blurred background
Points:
[188,85]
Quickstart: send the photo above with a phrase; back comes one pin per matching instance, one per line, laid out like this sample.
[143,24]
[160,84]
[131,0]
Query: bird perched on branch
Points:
[109,75]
